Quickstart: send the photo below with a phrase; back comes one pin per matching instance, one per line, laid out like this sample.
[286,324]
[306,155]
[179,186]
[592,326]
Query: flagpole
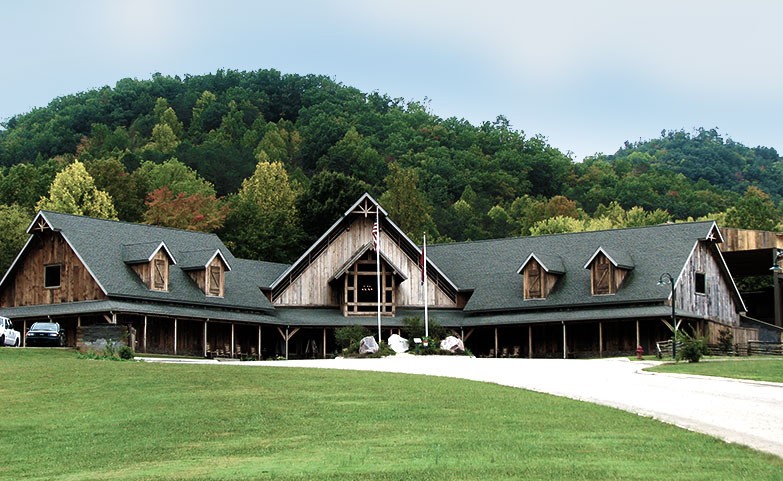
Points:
[426,316]
[378,269]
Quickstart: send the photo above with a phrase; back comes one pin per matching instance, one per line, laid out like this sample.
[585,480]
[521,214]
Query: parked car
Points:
[8,335]
[45,334]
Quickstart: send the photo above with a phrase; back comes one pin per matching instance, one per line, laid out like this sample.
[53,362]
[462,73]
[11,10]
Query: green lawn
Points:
[754,368]
[67,418]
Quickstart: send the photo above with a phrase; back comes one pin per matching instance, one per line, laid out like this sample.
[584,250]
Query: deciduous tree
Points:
[199,211]
[73,191]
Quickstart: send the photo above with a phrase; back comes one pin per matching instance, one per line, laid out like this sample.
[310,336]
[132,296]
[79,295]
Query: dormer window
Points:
[602,274]
[608,270]
[208,270]
[215,280]
[539,275]
[151,262]
[533,281]
[160,275]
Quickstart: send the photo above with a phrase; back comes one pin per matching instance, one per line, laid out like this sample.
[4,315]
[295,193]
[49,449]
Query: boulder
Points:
[398,343]
[368,345]
[452,344]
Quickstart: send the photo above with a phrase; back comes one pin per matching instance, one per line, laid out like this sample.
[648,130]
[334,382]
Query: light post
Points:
[667,278]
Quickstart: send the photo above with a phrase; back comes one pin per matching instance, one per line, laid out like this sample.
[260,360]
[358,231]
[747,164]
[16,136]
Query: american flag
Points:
[375,236]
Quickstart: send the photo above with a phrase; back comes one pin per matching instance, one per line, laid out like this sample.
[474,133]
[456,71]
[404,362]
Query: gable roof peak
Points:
[618,257]
[365,205]
[144,252]
[201,259]
[550,263]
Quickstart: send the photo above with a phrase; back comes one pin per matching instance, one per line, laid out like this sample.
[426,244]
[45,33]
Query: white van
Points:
[8,335]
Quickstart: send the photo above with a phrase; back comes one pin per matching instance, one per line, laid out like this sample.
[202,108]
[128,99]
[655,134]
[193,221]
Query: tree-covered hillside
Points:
[269,161]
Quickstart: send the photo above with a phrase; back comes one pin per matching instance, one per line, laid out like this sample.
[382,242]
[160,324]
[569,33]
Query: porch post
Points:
[24,333]
[496,342]
[259,342]
[204,344]
[286,343]
[324,343]
[530,342]
[638,337]
[565,345]
[78,321]
[232,339]
[175,336]
[144,339]
[600,338]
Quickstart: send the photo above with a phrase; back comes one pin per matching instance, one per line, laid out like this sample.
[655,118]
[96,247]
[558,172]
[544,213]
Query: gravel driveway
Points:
[744,412]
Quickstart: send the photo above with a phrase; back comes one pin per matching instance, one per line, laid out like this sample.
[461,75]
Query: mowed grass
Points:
[756,369]
[67,418]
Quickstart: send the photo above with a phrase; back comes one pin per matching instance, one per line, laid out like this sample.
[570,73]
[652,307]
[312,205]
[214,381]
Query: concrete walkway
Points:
[744,412]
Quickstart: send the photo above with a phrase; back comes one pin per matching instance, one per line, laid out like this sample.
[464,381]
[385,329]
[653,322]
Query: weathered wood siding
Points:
[746,240]
[547,281]
[145,270]
[312,287]
[616,276]
[718,302]
[26,286]
[202,278]
[741,335]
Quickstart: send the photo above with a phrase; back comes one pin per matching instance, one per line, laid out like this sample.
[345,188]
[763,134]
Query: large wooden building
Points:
[183,292]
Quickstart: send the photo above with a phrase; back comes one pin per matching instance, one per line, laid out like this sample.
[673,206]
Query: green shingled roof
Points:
[101,244]
[489,268]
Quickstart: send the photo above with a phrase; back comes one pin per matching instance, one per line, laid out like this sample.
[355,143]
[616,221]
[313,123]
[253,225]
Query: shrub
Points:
[693,348]
[414,327]
[126,352]
[725,340]
[348,337]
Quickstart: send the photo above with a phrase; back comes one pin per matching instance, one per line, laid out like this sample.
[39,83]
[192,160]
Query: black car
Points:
[45,334]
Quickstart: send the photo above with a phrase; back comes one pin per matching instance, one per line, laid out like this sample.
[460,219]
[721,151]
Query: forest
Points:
[269,161]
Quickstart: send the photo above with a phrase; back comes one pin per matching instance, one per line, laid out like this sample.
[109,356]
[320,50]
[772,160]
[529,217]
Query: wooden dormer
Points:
[540,273]
[608,270]
[151,262]
[207,269]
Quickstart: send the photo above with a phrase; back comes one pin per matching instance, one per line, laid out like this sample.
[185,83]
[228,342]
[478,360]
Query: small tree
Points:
[693,348]
[414,327]
[726,340]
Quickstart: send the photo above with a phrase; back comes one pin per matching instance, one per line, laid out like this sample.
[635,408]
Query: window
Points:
[603,277]
[360,287]
[700,283]
[214,280]
[533,282]
[52,276]
[159,274]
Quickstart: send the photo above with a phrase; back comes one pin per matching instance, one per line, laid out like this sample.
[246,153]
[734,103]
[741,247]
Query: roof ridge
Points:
[497,239]
[128,223]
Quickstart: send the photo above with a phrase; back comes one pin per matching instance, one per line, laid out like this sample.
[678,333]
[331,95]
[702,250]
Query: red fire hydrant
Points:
[639,351]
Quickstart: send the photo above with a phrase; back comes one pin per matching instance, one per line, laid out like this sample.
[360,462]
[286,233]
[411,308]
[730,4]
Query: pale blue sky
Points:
[588,75]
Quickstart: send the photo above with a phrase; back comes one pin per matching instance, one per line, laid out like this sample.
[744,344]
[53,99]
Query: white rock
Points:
[398,343]
[368,345]
[453,344]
